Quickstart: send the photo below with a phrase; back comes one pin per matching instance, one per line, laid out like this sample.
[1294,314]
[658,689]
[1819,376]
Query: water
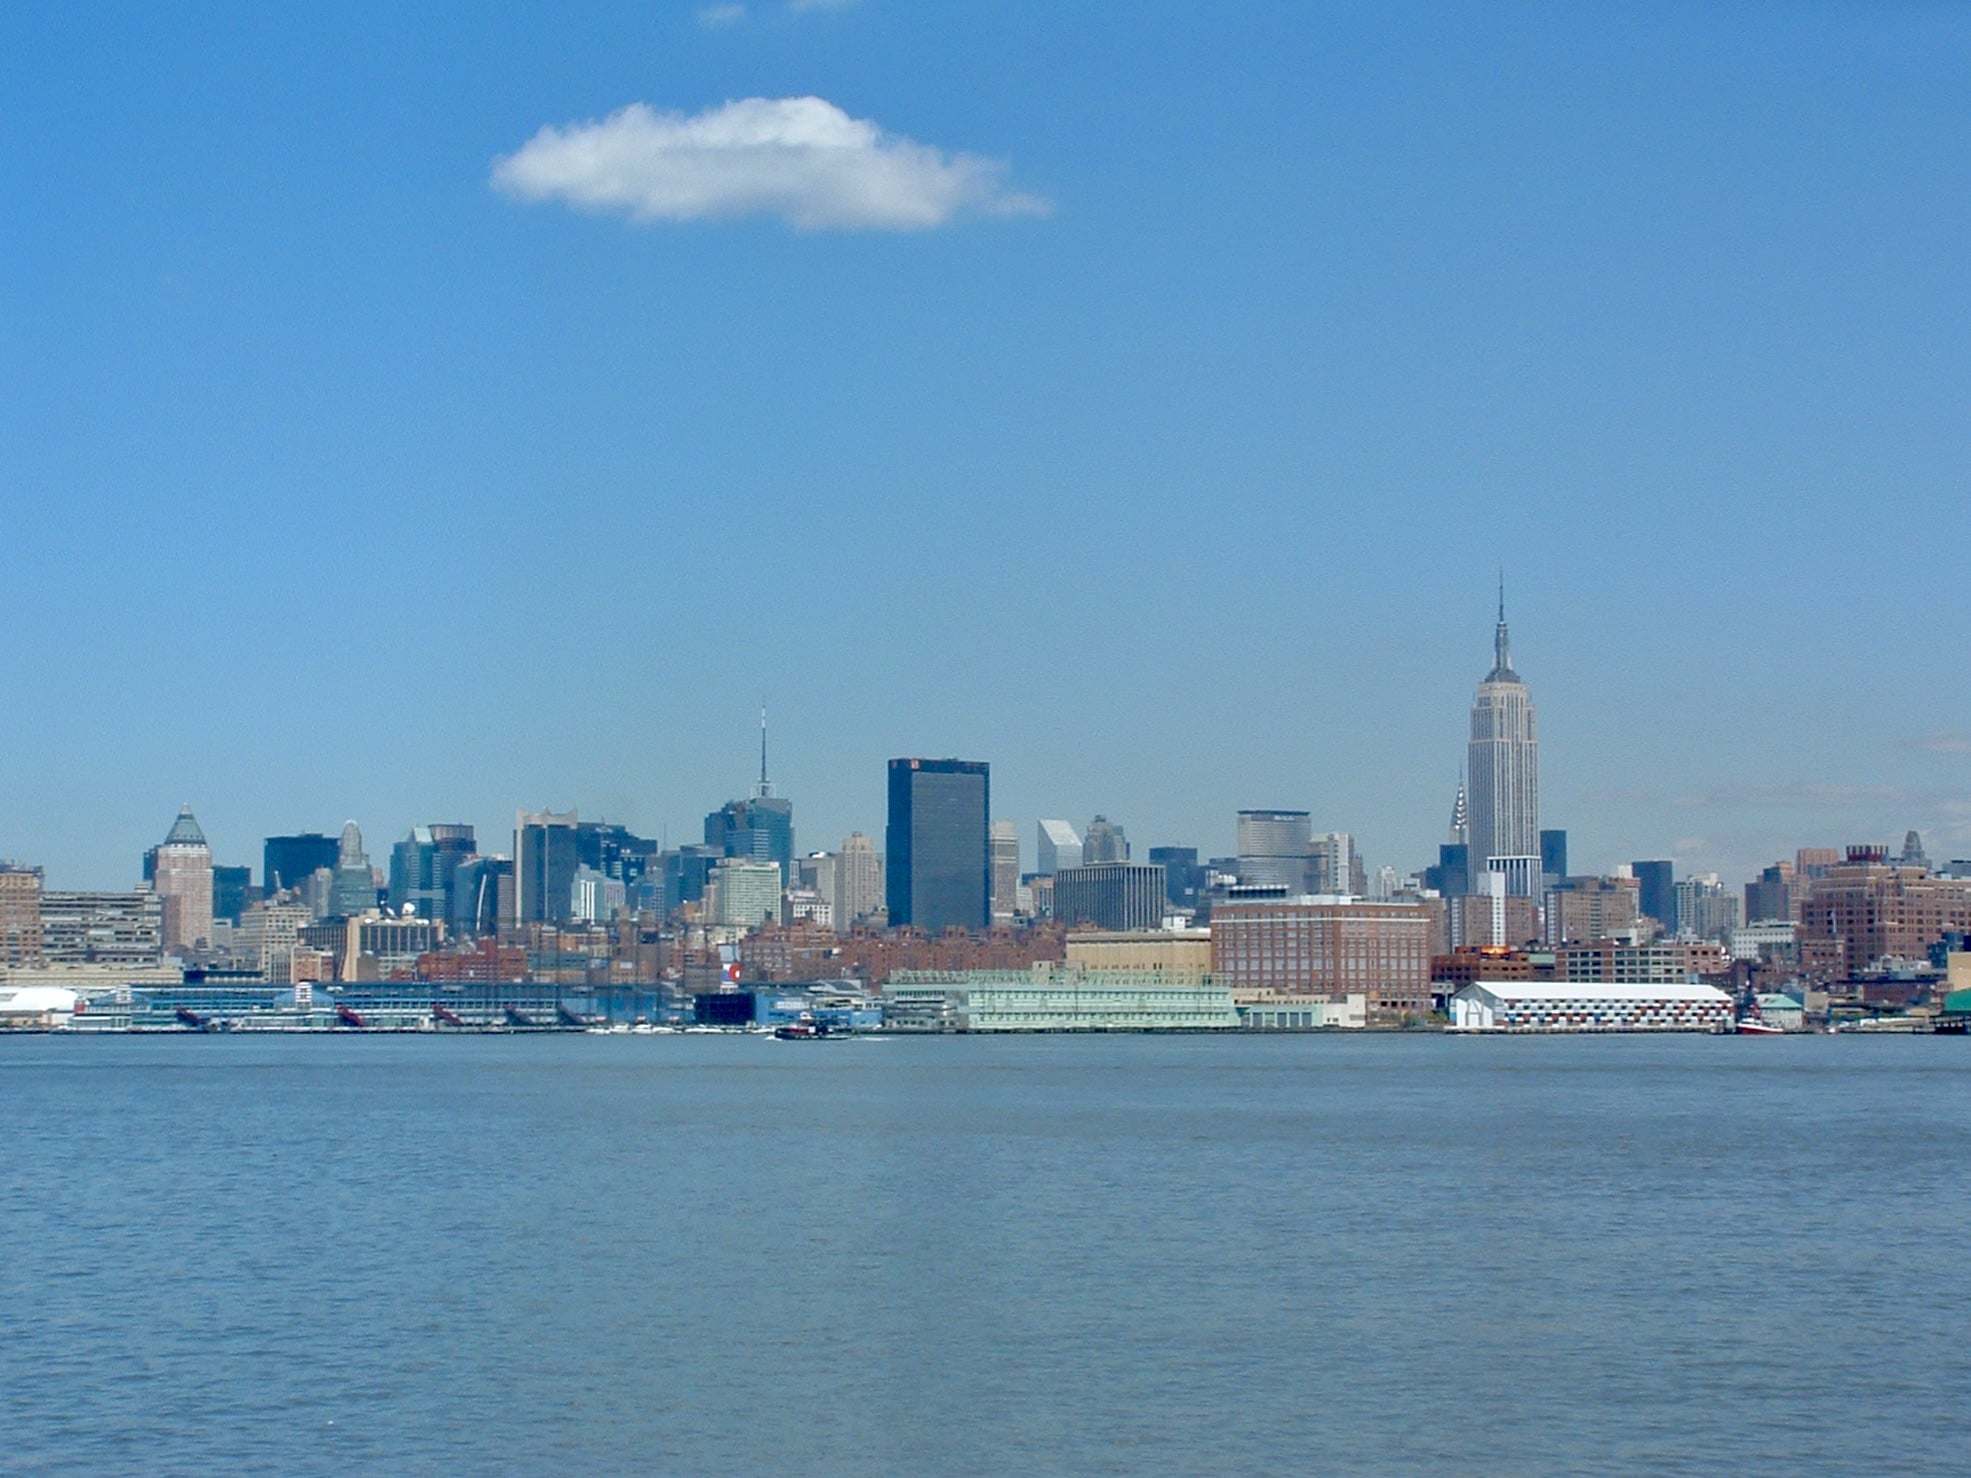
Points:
[1127,1254]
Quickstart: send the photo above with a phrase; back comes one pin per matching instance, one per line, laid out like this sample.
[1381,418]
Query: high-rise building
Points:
[1060,846]
[424,865]
[1585,908]
[1553,856]
[20,914]
[1657,882]
[288,862]
[761,827]
[1005,871]
[267,936]
[232,890]
[353,893]
[545,856]
[940,866]
[124,929]
[1503,759]
[482,896]
[1451,877]
[1183,876]
[1334,867]
[1110,895]
[1104,842]
[1277,848]
[1706,909]
[181,869]
[1773,897]
[748,891]
[858,881]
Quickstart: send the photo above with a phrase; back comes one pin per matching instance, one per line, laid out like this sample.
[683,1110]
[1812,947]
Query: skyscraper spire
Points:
[1460,816]
[765,787]
[1501,643]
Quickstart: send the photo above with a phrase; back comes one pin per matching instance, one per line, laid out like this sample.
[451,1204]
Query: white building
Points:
[1287,1011]
[1060,846]
[749,892]
[1589,1006]
[36,1008]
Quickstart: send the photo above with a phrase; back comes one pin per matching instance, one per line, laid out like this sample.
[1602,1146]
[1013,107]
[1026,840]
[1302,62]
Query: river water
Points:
[1115,1254]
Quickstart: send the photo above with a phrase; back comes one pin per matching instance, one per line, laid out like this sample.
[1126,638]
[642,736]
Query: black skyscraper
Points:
[939,859]
[1657,887]
[1553,854]
[288,862]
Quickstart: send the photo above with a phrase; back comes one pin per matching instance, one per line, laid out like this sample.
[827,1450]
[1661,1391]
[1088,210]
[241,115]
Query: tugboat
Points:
[1752,1024]
[805,1029]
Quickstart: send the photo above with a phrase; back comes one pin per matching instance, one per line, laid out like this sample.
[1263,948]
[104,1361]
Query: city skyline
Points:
[734,816]
[1168,433]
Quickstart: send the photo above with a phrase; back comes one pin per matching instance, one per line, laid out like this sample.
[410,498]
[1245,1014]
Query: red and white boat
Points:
[1753,1024]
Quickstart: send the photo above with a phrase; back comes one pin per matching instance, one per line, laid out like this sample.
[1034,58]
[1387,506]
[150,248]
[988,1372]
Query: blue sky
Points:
[1143,401]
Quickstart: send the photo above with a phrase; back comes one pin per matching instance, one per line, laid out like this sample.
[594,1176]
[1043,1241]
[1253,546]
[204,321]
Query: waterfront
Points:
[712,1253]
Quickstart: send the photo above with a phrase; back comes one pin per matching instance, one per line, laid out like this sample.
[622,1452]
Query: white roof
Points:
[1593,990]
[33,1000]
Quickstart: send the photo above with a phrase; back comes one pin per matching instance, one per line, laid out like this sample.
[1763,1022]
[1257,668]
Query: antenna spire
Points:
[765,787]
[1501,644]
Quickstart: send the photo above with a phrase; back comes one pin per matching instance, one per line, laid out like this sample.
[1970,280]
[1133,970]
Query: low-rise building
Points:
[1175,954]
[1589,1006]
[1280,1011]
[1054,998]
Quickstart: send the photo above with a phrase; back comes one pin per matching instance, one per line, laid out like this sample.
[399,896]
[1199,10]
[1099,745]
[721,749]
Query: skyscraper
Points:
[761,827]
[423,866]
[181,876]
[1005,871]
[1059,847]
[545,856]
[1276,847]
[858,881]
[1103,842]
[288,862]
[354,891]
[1658,899]
[940,865]
[1504,761]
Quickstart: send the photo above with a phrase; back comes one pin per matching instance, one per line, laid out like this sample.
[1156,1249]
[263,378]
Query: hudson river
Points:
[1118,1254]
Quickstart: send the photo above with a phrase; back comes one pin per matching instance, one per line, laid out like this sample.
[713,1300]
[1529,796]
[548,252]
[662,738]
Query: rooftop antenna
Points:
[765,787]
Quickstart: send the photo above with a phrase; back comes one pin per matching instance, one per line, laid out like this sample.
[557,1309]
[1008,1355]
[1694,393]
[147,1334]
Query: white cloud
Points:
[1947,743]
[802,159]
[713,16]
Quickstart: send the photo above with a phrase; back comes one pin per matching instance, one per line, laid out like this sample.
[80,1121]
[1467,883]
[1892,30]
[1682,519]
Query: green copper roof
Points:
[184,831]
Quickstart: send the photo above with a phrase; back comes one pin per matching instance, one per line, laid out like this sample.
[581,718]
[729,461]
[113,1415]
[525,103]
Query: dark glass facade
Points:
[939,860]
[1658,892]
[547,856]
[1183,876]
[288,862]
[1553,854]
[761,828]
[230,889]
[1452,875]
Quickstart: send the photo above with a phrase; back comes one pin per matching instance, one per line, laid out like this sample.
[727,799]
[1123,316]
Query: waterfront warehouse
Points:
[1055,998]
[1589,1006]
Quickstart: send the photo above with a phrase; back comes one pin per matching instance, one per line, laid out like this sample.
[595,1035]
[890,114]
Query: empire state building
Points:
[1504,762]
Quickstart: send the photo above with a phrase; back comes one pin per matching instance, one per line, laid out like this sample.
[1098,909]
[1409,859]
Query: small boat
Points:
[807,1029]
[1754,1024]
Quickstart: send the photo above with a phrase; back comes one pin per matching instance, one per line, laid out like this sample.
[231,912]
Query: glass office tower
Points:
[939,856]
